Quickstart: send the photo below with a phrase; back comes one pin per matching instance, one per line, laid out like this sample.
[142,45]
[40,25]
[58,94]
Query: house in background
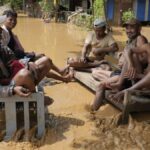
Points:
[115,8]
[85,4]
[72,5]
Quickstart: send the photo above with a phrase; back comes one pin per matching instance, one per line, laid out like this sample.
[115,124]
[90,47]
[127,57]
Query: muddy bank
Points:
[70,125]
[110,135]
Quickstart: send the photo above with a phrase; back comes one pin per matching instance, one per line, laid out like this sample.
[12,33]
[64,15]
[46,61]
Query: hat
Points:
[132,21]
[2,19]
[98,23]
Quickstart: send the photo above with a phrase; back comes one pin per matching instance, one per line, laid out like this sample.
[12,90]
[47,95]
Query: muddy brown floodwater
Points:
[70,125]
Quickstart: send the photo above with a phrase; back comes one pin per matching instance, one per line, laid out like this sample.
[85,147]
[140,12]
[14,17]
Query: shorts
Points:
[116,72]
[127,84]
[15,67]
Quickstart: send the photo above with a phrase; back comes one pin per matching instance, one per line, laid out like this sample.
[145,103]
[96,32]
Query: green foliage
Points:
[15,4]
[83,20]
[48,6]
[98,8]
[127,15]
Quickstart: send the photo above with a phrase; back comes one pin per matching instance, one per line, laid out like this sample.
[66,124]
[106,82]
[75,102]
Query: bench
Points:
[134,101]
[11,113]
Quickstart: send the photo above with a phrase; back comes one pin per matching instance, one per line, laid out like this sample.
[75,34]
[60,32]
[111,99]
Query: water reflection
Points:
[55,40]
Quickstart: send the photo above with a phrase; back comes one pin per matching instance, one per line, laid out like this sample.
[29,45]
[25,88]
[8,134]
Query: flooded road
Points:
[70,123]
[59,41]
[55,40]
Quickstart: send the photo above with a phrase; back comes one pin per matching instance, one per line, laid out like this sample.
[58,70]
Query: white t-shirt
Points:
[91,39]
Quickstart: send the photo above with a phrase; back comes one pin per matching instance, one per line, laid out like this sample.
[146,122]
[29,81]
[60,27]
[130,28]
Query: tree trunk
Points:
[120,14]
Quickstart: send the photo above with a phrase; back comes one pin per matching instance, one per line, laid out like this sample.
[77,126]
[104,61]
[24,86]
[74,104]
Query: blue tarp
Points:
[141,5]
[110,9]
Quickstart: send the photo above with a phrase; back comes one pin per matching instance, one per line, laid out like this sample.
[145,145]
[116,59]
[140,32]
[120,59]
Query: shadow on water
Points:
[58,125]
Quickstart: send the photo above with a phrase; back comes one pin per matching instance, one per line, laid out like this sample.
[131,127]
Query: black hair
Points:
[10,13]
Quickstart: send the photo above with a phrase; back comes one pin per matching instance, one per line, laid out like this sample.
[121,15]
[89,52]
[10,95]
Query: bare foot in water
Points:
[65,70]
[69,77]
[89,108]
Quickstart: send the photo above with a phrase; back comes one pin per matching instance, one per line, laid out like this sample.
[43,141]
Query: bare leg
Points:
[98,100]
[38,56]
[43,64]
[63,71]
[137,64]
[134,67]
[100,74]
[144,83]
[66,78]
[25,78]
[77,64]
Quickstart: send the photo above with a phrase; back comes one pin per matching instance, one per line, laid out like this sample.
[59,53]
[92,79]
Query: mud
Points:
[69,125]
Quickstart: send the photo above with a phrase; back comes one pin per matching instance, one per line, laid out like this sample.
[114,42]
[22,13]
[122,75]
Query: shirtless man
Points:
[135,39]
[133,29]
[97,44]
[142,77]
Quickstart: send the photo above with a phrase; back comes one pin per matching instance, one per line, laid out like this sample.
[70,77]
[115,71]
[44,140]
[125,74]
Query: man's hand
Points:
[131,73]
[21,91]
[115,86]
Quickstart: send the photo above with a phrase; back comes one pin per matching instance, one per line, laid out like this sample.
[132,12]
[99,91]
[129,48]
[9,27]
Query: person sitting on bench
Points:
[139,74]
[28,74]
[98,43]
[135,39]
[10,40]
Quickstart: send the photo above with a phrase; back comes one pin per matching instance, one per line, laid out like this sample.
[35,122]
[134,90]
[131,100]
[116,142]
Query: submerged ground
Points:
[71,126]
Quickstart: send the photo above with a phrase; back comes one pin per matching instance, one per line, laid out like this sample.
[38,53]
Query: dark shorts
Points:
[14,67]
[127,84]
[115,72]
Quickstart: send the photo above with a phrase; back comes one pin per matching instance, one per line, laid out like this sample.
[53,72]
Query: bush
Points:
[98,8]
[83,20]
[127,15]
[48,6]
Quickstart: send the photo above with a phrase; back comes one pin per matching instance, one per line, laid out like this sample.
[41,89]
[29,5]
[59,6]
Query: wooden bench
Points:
[134,101]
[87,80]
[10,113]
